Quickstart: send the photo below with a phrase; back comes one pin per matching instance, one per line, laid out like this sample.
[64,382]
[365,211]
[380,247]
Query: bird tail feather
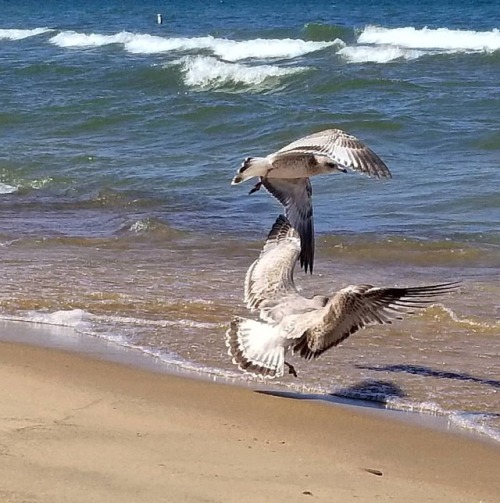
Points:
[255,347]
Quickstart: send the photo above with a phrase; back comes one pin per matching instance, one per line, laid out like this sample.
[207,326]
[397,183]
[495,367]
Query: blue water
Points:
[119,137]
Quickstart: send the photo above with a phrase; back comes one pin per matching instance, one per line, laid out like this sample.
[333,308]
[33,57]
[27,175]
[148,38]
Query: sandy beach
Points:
[79,429]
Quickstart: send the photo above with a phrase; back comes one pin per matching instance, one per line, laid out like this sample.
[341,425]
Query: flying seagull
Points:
[285,174]
[307,326]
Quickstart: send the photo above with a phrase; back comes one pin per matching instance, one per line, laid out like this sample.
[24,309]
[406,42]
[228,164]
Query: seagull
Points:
[285,174]
[307,326]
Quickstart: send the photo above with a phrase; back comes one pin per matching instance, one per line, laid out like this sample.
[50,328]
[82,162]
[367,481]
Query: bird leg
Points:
[257,187]
[291,369]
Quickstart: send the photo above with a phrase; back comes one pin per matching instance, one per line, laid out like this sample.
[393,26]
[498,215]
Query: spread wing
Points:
[269,279]
[358,306]
[343,149]
[295,195]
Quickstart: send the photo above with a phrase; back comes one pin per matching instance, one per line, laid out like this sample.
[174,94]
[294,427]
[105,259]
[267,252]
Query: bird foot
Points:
[291,369]
[257,187]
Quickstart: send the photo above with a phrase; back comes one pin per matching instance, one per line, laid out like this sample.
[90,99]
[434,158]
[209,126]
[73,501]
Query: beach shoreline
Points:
[67,339]
[78,427]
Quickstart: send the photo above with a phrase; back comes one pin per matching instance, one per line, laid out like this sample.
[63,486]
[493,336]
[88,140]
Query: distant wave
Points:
[208,72]
[229,50]
[434,39]
[15,34]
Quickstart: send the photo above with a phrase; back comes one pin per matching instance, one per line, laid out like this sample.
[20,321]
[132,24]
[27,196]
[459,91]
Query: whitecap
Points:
[75,39]
[209,72]
[260,48]
[16,34]
[151,44]
[230,50]
[377,54]
[433,39]
[7,189]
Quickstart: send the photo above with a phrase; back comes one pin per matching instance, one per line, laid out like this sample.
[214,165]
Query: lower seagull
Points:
[308,326]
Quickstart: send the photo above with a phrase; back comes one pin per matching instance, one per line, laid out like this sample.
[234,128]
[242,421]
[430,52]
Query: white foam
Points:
[17,184]
[377,54]
[75,39]
[140,226]
[259,48]
[230,50]
[7,189]
[208,72]
[402,404]
[128,320]
[40,183]
[475,422]
[150,44]
[74,318]
[466,321]
[14,34]
[433,39]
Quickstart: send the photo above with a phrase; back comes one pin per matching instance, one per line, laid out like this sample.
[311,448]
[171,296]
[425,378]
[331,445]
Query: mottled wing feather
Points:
[355,307]
[343,149]
[270,277]
[295,195]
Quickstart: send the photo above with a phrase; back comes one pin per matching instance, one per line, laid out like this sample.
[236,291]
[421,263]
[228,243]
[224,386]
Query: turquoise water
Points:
[119,137]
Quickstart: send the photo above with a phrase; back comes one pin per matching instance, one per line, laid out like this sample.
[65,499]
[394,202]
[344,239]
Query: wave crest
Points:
[15,34]
[208,72]
[229,50]
[432,39]
[75,39]
[370,54]
[7,189]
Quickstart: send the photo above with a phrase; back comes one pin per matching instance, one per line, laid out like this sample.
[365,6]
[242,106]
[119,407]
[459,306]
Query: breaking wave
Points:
[370,54]
[16,34]
[383,45]
[209,72]
[75,39]
[7,189]
[434,39]
[229,50]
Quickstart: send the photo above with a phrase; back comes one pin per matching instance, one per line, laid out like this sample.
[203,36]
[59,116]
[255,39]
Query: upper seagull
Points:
[307,326]
[285,174]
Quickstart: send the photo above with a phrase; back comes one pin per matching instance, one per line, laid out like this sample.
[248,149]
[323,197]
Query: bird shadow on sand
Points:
[429,372]
[370,393]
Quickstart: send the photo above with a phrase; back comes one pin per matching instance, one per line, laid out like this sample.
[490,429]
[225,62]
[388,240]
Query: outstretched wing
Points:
[343,149]
[270,278]
[295,195]
[358,306]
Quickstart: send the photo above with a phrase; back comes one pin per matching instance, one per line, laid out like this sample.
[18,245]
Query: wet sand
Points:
[79,429]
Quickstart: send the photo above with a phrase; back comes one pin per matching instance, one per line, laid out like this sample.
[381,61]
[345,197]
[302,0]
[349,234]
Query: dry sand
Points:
[76,429]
